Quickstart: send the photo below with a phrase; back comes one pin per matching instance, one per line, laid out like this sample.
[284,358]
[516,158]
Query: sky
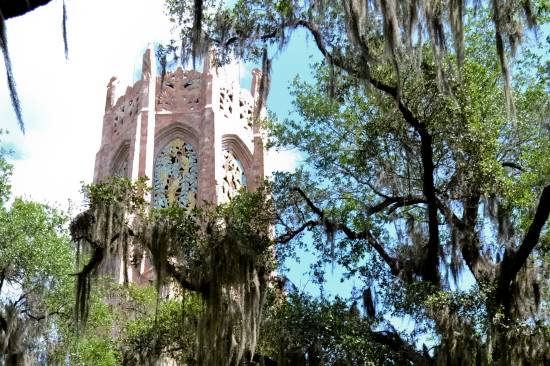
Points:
[63,100]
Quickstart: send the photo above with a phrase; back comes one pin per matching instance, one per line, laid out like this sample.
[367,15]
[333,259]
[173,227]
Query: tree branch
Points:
[11,8]
[93,263]
[351,234]
[2,278]
[514,261]
[533,233]
[398,345]
[430,270]
[510,164]
[182,280]
[291,233]
[450,215]
[41,317]
[395,203]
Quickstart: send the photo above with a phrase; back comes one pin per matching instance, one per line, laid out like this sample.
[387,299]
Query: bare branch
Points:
[430,268]
[398,345]
[511,164]
[393,203]
[450,215]
[291,233]
[182,280]
[533,233]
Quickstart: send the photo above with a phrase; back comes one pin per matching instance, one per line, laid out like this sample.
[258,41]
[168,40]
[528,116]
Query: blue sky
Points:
[63,101]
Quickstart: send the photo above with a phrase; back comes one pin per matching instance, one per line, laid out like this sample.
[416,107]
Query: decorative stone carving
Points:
[175,176]
[245,110]
[179,91]
[226,101]
[234,178]
[125,109]
[120,168]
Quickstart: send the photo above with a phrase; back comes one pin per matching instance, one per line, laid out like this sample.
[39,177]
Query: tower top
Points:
[192,133]
[209,116]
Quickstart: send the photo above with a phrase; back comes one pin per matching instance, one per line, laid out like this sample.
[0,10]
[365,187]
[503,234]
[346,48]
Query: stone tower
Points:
[192,133]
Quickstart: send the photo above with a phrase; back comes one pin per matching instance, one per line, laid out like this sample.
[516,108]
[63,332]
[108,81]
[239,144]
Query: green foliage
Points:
[222,254]
[34,246]
[36,260]
[298,327]
[169,332]
[117,189]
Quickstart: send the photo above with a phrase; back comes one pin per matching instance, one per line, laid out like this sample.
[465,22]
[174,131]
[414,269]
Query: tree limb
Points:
[41,317]
[398,345]
[351,234]
[11,8]
[2,278]
[533,233]
[182,280]
[514,261]
[450,216]
[511,164]
[393,203]
[430,270]
[291,233]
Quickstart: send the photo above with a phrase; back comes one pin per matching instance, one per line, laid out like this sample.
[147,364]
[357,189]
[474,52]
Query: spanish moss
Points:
[64,30]
[9,74]
[216,253]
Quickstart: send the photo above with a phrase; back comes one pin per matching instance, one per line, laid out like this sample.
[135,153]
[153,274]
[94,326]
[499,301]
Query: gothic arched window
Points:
[119,167]
[175,176]
[234,178]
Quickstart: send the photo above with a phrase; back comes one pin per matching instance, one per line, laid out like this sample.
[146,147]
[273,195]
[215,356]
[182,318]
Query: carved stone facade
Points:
[190,132]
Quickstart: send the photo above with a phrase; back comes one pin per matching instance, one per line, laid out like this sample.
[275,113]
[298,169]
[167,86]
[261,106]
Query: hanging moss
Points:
[221,253]
[9,74]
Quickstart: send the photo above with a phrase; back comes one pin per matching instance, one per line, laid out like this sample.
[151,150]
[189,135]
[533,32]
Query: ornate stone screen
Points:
[234,178]
[175,176]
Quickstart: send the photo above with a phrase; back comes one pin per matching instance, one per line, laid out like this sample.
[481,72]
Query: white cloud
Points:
[282,161]
[63,102]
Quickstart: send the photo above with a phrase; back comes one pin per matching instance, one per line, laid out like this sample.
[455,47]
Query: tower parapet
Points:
[192,133]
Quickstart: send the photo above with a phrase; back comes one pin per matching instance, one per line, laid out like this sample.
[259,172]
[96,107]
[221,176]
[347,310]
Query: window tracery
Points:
[121,169]
[234,178]
[120,163]
[175,176]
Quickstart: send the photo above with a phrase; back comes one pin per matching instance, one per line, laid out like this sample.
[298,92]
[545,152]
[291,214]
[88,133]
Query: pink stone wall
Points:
[208,110]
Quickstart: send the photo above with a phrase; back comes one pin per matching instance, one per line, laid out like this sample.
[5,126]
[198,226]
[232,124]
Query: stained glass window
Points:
[175,176]
[234,178]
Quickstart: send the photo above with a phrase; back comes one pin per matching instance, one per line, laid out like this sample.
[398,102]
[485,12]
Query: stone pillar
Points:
[144,138]
[258,138]
[102,158]
[110,97]
[150,79]
[207,152]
